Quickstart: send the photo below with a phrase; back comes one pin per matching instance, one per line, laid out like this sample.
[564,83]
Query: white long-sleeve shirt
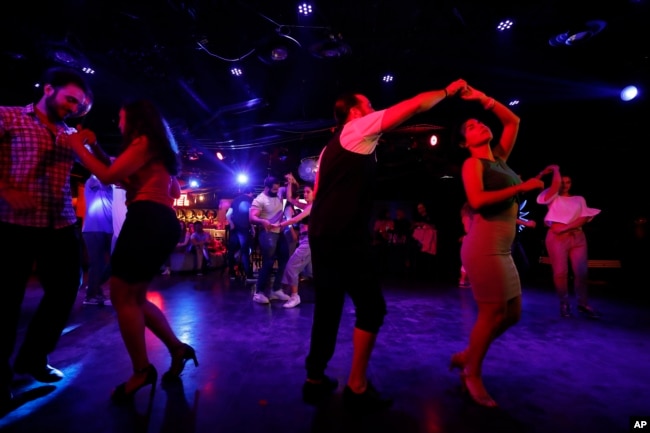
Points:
[565,209]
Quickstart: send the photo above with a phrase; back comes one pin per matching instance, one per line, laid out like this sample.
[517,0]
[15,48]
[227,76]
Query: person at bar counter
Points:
[340,241]
[36,210]
[147,167]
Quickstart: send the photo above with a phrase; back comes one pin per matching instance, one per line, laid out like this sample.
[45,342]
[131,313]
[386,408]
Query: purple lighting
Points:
[304,9]
[629,93]
[505,25]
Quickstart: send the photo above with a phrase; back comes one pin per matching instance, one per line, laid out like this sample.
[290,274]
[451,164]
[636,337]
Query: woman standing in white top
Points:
[565,240]
[300,260]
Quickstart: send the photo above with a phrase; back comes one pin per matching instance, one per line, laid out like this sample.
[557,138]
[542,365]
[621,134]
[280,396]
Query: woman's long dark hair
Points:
[142,117]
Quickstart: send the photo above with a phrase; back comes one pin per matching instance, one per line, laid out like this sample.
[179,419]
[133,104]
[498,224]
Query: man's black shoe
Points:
[589,312]
[368,401]
[45,373]
[316,392]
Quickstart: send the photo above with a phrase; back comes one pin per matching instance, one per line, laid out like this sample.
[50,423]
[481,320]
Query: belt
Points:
[568,232]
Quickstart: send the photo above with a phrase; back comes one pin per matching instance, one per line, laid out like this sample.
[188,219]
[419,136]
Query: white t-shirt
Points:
[118,209]
[565,209]
[270,209]
[361,135]
[99,204]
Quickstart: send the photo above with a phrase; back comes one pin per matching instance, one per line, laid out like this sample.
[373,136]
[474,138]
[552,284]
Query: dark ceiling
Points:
[180,54]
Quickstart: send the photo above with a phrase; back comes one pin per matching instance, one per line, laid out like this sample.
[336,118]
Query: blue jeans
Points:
[241,240]
[98,250]
[273,246]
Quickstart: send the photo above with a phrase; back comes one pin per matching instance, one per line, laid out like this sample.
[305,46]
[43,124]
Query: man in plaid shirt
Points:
[38,224]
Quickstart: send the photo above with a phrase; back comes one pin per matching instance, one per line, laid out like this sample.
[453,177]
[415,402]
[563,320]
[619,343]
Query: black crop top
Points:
[497,175]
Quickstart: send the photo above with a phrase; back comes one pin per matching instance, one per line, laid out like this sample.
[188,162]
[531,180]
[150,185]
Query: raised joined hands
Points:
[548,170]
[471,94]
[455,87]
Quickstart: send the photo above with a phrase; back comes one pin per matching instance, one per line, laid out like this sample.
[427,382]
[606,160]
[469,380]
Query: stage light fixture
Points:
[305,9]
[629,93]
[332,46]
[505,25]
[579,35]
[278,47]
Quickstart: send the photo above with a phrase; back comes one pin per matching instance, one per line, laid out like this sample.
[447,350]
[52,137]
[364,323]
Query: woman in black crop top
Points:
[491,188]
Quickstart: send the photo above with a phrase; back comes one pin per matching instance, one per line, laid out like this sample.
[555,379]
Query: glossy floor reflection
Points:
[548,374]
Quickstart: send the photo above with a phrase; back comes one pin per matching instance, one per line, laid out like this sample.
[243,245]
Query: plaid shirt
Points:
[34,161]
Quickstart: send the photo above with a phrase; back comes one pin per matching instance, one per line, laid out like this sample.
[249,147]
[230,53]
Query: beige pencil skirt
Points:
[485,254]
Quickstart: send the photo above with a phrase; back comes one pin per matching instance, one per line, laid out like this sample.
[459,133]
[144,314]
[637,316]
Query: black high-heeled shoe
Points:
[120,395]
[180,356]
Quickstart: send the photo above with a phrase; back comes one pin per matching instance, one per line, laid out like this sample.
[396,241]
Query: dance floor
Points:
[549,375]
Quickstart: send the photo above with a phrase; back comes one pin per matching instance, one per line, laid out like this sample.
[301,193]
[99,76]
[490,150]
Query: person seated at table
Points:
[422,219]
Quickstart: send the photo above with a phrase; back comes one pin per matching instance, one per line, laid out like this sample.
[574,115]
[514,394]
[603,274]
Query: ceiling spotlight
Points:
[237,72]
[220,156]
[513,102]
[65,54]
[579,35]
[433,140]
[242,178]
[629,93]
[308,168]
[279,53]
[505,25]
[277,47]
[330,47]
[387,78]
[304,9]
